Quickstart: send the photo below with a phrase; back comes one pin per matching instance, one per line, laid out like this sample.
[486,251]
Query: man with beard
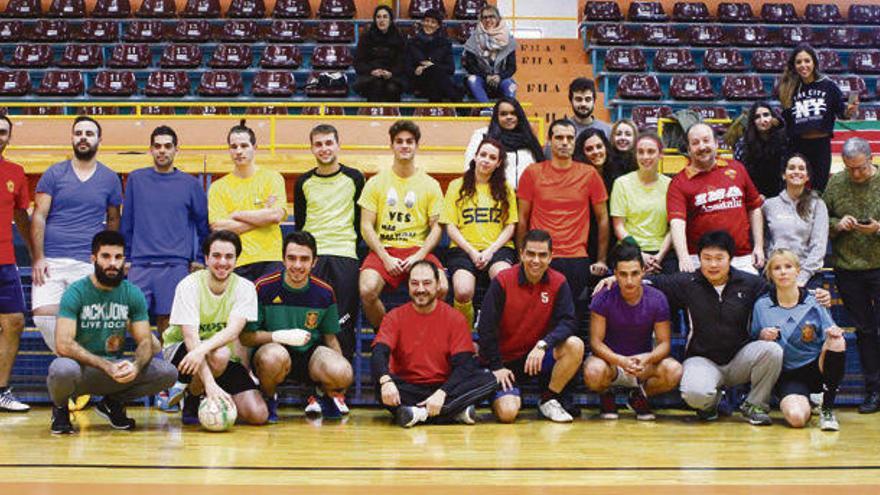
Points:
[710,193]
[162,209]
[582,97]
[73,200]
[210,309]
[325,204]
[13,206]
[92,320]
[423,358]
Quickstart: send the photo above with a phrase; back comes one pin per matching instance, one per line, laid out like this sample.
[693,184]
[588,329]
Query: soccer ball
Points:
[217,415]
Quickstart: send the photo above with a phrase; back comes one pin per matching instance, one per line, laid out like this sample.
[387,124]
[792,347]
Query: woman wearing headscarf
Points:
[490,57]
[380,59]
[430,64]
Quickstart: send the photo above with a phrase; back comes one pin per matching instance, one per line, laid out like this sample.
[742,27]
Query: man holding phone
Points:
[853,199]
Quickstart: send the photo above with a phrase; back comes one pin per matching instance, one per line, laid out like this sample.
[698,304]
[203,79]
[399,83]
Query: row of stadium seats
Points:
[286,9]
[736,12]
[732,60]
[744,36]
[269,109]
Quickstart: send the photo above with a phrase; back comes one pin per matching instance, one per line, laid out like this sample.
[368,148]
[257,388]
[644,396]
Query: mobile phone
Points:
[853,97]
[864,221]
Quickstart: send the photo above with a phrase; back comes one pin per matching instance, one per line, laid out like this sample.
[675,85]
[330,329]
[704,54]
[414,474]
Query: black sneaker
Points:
[871,404]
[190,410]
[115,413]
[607,405]
[638,402]
[61,421]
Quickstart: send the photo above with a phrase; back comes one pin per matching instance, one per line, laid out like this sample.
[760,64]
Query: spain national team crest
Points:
[730,173]
[113,344]
[808,332]
[311,320]
[10,186]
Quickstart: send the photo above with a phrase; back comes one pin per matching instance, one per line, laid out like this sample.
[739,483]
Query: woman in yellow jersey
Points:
[480,217]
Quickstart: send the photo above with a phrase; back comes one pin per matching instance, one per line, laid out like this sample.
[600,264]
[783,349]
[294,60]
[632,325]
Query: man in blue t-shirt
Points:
[624,322]
[75,199]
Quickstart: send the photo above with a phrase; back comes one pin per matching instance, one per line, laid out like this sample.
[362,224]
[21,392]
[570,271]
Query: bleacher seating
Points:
[613,34]
[130,56]
[743,87]
[96,31]
[14,83]
[829,61]
[144,31]
[49,31]
[292,9]
[379,111]
[97,110]
[61,83]
[706,35]
[604,11]
[281,57]
[691,12]
[752,36]
[337,9]
[167,83]
[464,31]
[470,9]
[286,31]
[164,9]
[114,83]
[625,60]
[646,117]
[723,60]
[274,84]
[157,110]
[852,83]
[868,113]
[239,31]
[435,112]
[208,110]
[231,56]
[735,12]
[23,9]
[779,13]
[337,32]
[111,9]
[192,31]
[674,60]
[11,31]
[769,60]
[822,13]
[847,37]
[67,9]
[266,110]
[691,87]
[709,112]
[246,9]
[660,35]
[332,57]
[208,9]
[796,35]
[81,57]
[225,83]
[865,62]
[181,56]
[646,12]
[417,8]
[864,14]
[639,87]
[31,56]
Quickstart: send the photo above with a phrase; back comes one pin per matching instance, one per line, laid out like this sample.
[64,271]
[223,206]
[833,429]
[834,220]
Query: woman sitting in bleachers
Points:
[763,147]
[510,126]
[490,57]
[380,59]
[430,64]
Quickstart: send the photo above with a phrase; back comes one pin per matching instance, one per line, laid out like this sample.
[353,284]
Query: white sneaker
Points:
[828,420]
[409,416]
[10,403]
[339,400]
[468,416]
[554,411]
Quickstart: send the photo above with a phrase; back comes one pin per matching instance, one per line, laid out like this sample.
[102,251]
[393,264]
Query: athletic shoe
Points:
[409,416]
[61,421]
[10,403]
[607,405]
[115,413]
[756,415]
[163,403]
[638,402]
[568,403]
[468,416]
[871,403]
[328,406]
[313,407]
[710,414]
[175,393]
[554,411]
[78,403]
[189,412]
[272,406]
[827,420]
[339,402]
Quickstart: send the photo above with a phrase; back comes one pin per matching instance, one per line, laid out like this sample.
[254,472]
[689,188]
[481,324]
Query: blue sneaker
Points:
[162,403]
[272,406]
[329,409]
[190,410]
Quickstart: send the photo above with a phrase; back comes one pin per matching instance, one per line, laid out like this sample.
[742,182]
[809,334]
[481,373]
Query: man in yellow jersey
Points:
[251,201]
[400,209]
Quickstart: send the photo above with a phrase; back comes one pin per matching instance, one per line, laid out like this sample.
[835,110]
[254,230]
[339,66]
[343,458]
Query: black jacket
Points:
[477,66]
[437,49]
[377,50]
[719,325]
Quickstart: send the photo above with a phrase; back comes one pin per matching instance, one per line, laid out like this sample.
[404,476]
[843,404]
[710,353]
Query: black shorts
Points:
[299,365]
[342,273]
[234,379]
[804,381]
[457,259]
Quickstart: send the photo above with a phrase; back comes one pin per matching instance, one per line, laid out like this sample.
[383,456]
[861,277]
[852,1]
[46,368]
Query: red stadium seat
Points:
[163,9]
[639,87]
[434,112]
[674,60]
[286,31]
[144,32]
[183,56]
[326,84]
[864,14]
[379,111]
[11,31]
[743,87]
[114,83]
[865,62]
[735,12]
[625,60]
[81,57]
[97,110]
[266,110]
[752,36]
[867,113]
[31,56]
[660,34]
[613,34]
[332,57]
[822,13]
[279,84]
[208,110]
[417,8]
[829,61]
[337,9]
[646,12]
[201,9]
[469,10]
[231,56]
[713,113]
[50,31]
[111,9]
[691,12]
[770,60]
[239,31]
[166,83]
[23,9]
[96,31]
[795,35]
[605,11]
[723,60]
[221,83]
[246,9]
[463,31]
[14,83]
[327,111]
[848,37]
[67,9]
[335,32]
[848,84]
[61,83]
[292,9]
[281,57]
[706,35]
[192,31]
[157,110]
[647,117]
[691,87]
[779,13]
[130,56]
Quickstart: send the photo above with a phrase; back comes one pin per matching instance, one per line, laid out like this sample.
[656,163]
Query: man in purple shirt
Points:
[623,324]
[75,199]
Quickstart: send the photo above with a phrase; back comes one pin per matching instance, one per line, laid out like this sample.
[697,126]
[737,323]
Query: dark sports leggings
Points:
[818,153]
[477,387]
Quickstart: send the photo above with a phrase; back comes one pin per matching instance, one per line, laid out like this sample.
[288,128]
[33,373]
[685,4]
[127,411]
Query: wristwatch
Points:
[541,345]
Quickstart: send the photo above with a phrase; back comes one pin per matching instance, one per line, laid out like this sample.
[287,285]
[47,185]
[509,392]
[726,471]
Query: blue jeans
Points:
[477,87]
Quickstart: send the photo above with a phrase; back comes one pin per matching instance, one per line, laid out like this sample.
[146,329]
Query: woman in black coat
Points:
[430,64]
[380,59]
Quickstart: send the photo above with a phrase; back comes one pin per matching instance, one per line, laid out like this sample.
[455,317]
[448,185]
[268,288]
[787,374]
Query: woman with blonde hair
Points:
[490,57]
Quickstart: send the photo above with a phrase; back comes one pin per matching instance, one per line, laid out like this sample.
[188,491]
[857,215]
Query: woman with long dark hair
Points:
[480,216]
[797,219]
[379,59]
[509,126]
[811,103]
[763,147]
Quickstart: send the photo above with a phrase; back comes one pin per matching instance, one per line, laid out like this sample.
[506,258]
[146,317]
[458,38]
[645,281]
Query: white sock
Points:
[46,326]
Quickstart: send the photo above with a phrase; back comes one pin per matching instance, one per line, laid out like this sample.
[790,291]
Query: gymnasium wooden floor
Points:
[366,454]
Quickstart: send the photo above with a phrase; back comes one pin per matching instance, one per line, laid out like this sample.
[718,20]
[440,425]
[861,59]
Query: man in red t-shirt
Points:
[556,196]
[424,359]
[14,200]
[712,193]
